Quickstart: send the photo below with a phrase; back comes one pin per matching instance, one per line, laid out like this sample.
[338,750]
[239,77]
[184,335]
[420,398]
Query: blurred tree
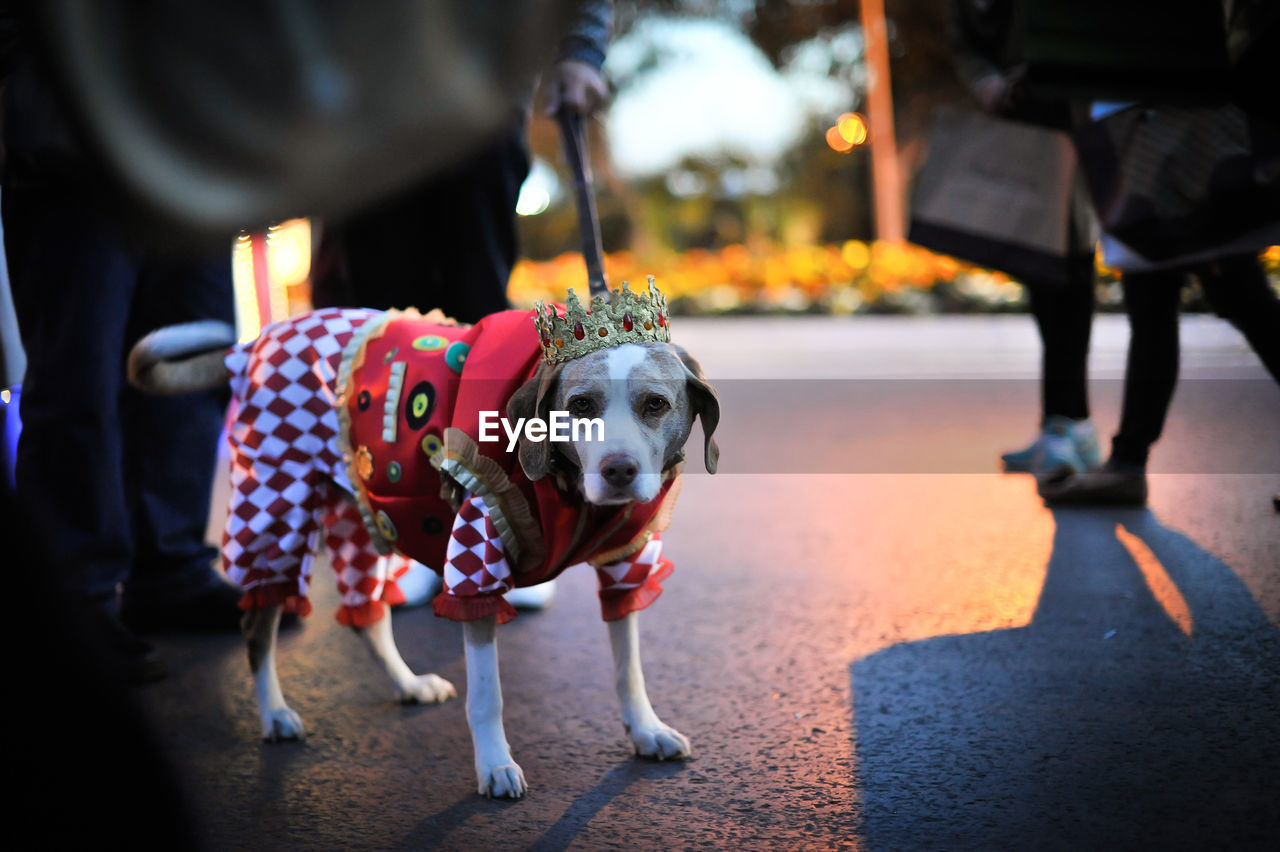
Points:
[821,194]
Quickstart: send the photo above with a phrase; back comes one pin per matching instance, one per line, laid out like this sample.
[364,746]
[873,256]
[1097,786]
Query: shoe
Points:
[1065,446]
[532,597]
[1114,485]
[126,658]
[419,584]
[214,610]
[1019,461]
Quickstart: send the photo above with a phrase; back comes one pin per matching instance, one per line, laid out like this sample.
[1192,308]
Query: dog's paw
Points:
[660,742]
[503,782]
[282,724]
[427,689]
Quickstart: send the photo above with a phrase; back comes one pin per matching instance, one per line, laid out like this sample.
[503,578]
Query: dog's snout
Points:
[619,469]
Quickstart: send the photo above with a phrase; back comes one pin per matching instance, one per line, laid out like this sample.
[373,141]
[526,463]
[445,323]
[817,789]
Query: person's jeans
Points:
[1236,288]
[115,485]
[449,242]
[1064,316]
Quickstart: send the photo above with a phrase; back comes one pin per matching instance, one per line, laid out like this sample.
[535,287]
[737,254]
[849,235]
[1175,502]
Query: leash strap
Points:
[573,135]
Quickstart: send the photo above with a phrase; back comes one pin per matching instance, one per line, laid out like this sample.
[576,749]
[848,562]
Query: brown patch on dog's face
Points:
[533,399]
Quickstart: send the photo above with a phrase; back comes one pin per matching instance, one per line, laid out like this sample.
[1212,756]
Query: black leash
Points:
[573,134]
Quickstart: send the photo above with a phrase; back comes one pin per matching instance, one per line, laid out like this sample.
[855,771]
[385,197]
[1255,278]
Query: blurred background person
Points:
[1186,185]
[1237,289]
[450,242]
[983,46]
[114,485]
[1235,286]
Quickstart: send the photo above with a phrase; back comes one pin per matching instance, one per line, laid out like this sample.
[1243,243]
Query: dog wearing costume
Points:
[373,432]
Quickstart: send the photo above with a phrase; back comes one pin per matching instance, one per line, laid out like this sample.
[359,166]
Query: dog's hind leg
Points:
[413,689]
[278,721]
[497,774]
[651,737]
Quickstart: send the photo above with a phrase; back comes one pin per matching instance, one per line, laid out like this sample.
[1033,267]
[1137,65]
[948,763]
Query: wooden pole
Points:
[885,175]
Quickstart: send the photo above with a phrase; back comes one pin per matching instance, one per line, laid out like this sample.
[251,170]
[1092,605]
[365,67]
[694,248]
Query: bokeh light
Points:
[289,252]
[533,200]
[852,127]
[838,142]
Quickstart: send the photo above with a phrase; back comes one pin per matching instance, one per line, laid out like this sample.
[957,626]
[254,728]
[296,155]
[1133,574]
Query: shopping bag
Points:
[997,193]
[1170,181]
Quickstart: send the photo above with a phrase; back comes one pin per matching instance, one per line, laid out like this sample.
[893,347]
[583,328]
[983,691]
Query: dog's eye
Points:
[656,405]
[581,406]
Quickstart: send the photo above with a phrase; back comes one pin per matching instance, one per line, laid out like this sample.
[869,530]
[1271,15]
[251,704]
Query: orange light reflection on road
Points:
[1162,586]
[918,562]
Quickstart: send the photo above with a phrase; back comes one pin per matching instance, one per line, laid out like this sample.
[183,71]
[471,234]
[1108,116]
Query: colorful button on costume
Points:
[387,406]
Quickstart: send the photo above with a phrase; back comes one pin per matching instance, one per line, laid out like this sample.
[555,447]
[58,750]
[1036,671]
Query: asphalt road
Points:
[872,640]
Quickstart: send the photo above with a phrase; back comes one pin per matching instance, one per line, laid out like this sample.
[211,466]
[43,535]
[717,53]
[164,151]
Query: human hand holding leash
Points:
[574,85]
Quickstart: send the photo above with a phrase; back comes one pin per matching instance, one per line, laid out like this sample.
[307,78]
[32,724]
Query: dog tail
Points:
[182,358]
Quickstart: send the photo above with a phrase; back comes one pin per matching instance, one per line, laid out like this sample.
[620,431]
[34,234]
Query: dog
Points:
[365,429]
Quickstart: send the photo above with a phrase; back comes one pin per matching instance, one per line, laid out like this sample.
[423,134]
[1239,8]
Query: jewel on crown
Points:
[626,318]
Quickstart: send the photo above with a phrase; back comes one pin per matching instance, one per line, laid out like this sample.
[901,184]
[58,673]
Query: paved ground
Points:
[872,641]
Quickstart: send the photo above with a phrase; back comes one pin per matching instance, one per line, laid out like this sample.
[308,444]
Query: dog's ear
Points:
[533,399]
[706,405]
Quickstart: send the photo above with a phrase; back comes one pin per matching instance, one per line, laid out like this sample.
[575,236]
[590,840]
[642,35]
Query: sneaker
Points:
[215,609]
[419,584]
[1019,461]
[126,658]
[532,597]
[1114,485]
[1065,446]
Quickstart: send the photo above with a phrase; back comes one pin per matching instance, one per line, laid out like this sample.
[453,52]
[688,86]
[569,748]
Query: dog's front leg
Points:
[651,737]
[260,627]
[413,689]
[496,772]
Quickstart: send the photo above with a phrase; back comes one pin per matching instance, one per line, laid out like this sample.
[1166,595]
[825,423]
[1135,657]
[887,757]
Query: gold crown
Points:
[626,318]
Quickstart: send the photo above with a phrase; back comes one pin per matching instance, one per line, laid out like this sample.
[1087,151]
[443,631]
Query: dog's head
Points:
[646,395]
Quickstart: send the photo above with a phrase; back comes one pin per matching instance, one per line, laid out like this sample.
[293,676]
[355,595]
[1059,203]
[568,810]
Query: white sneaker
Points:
[419,584]
[532,597]
[1067,447]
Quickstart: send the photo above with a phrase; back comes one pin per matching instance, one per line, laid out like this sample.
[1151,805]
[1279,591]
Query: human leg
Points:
[1064,317]
[170,446]
[73,279]
[1151,302]
[1151,373]
[449,242]
[1238,289]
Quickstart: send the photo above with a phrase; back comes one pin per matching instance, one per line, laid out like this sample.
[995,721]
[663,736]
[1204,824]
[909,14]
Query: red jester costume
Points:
[386,407]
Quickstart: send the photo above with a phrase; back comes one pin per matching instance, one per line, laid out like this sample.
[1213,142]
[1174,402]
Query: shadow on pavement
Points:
[585,807]
[1140,708]
[434,831]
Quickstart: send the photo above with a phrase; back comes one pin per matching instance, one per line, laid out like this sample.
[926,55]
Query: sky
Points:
[699,88]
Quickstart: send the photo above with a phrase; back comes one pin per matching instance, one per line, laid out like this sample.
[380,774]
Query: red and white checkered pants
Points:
[476,573]
[287,474]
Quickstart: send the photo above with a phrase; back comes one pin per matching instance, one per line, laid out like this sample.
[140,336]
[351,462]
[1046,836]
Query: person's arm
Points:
[575,80]
[989,86]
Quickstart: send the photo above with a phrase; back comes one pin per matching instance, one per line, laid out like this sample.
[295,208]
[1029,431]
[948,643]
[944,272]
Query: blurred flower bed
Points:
[853,277]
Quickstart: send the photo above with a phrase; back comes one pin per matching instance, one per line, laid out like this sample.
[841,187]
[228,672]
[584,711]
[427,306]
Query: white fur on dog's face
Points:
[640,392]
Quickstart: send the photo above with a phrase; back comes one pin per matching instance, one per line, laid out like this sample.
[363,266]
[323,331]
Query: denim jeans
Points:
[114,485]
